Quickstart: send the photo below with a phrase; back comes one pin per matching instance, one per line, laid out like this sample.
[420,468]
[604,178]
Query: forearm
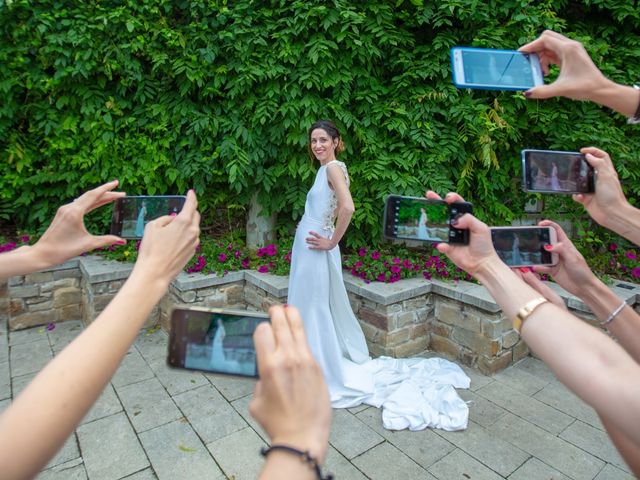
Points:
[626,325]
[20,261]
[286,465]
[39,421]
[583,358]
[621,98]
[629,450]
[342,224]
[625,221]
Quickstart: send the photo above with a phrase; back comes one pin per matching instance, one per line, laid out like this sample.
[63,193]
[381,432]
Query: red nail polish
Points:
[524,269]
[285,305]
[548,247]
[121,242]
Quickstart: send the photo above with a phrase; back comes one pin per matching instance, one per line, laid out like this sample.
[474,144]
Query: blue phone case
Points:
[460,83]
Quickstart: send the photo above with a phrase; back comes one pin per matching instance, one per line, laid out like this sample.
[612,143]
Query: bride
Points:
[414,393]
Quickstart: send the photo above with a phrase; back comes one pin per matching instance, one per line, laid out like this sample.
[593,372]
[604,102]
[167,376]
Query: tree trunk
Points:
[260,229]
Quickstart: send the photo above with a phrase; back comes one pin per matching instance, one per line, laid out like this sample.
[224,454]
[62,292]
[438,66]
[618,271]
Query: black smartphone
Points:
[131,214]
[214,340]
[422,219]
[552,171]
[524,246]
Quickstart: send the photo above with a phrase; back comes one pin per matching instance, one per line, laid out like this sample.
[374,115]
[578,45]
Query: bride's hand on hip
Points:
[318,242]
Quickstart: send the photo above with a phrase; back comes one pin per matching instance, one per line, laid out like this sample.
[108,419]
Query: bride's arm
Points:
[345,202]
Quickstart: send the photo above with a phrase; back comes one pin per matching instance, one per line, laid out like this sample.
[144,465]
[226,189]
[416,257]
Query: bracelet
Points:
[613,315]
[636,117]
[305,456]
[527,310]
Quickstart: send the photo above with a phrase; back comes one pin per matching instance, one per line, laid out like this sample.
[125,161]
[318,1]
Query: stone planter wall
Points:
[43,297]
[457,320]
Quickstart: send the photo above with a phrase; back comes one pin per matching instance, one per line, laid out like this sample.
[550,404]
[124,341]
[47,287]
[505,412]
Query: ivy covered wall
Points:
[168,95]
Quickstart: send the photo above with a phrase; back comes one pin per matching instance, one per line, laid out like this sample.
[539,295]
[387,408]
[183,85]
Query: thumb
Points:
[99,241]
[163,221]
[543,91]
[580,198]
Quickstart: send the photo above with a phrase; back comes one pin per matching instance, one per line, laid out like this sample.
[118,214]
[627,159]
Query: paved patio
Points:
[155,422]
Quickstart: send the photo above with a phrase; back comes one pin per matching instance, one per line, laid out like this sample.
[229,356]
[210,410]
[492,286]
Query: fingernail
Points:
[121,242]
[454,221]
[527,94]
[172,214]
[285,305]
[548,247]
[524,269]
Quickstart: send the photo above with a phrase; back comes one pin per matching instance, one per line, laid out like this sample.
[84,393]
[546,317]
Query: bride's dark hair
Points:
[329,127]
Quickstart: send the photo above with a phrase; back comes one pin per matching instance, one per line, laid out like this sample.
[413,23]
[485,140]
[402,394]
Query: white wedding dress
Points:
[414,393]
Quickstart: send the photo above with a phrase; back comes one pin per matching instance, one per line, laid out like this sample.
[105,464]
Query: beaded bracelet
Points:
[305,456]
[613,315]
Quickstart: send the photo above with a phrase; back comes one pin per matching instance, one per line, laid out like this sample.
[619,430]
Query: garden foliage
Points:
[168,95]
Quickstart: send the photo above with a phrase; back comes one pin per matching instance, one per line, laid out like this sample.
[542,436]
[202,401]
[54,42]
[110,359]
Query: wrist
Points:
[155,285]
[316,448]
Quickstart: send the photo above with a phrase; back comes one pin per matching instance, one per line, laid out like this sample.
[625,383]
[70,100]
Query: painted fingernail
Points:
[172,214]
[548,247]
[121,242]
[527,94]
[454,221]
[524,269]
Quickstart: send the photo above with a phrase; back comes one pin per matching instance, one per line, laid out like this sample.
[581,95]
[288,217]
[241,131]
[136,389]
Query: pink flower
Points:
[238,253]
[51,326]
[245,262]
[263,268]
[426,275]
[406,264]
[222,258]
[271,250]
[613,247]
[375,255]
[630,255]
[230,247]
[396,260]
[24,238]
[358,264]
[381,277]
[636,272]
[362,252]
[395,269]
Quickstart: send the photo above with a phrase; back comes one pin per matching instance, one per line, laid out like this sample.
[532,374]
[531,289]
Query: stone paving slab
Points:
[154,422]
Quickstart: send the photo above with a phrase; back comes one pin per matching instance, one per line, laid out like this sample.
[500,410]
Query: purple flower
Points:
[263,268]
[358,264]
[375,255]
[222,258]
[426,275]
[635,272]
[238,253]
[51,326]
[613,247]
[271,250]
[395,269]
[245,262]
[381,277]
[24,238]
[406,264]
[396,260]
[230,247]
[630,255]
[260,252]
[362,252]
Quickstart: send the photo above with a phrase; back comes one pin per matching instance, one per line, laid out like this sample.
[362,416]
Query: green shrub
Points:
[168,95]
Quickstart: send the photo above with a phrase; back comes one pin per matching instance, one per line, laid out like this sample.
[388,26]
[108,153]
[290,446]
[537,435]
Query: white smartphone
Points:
[524,246]
[492,69]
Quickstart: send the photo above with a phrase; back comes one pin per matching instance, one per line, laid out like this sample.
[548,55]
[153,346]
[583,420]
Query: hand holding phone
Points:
[552,171]
[422,219]
[131,214]
[491,69]
[214,340]
[524,246]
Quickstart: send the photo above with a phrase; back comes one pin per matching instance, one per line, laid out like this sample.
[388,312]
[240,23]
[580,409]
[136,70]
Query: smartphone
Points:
[131,214]
[551,171]
[416,218]
[524,246]
[214,340]
[491,69]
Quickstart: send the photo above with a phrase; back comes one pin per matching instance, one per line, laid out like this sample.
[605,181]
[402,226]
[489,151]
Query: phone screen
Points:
[131,214]
[522,246]
[415,218]
[551,171]
[214,341]
[496,69]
